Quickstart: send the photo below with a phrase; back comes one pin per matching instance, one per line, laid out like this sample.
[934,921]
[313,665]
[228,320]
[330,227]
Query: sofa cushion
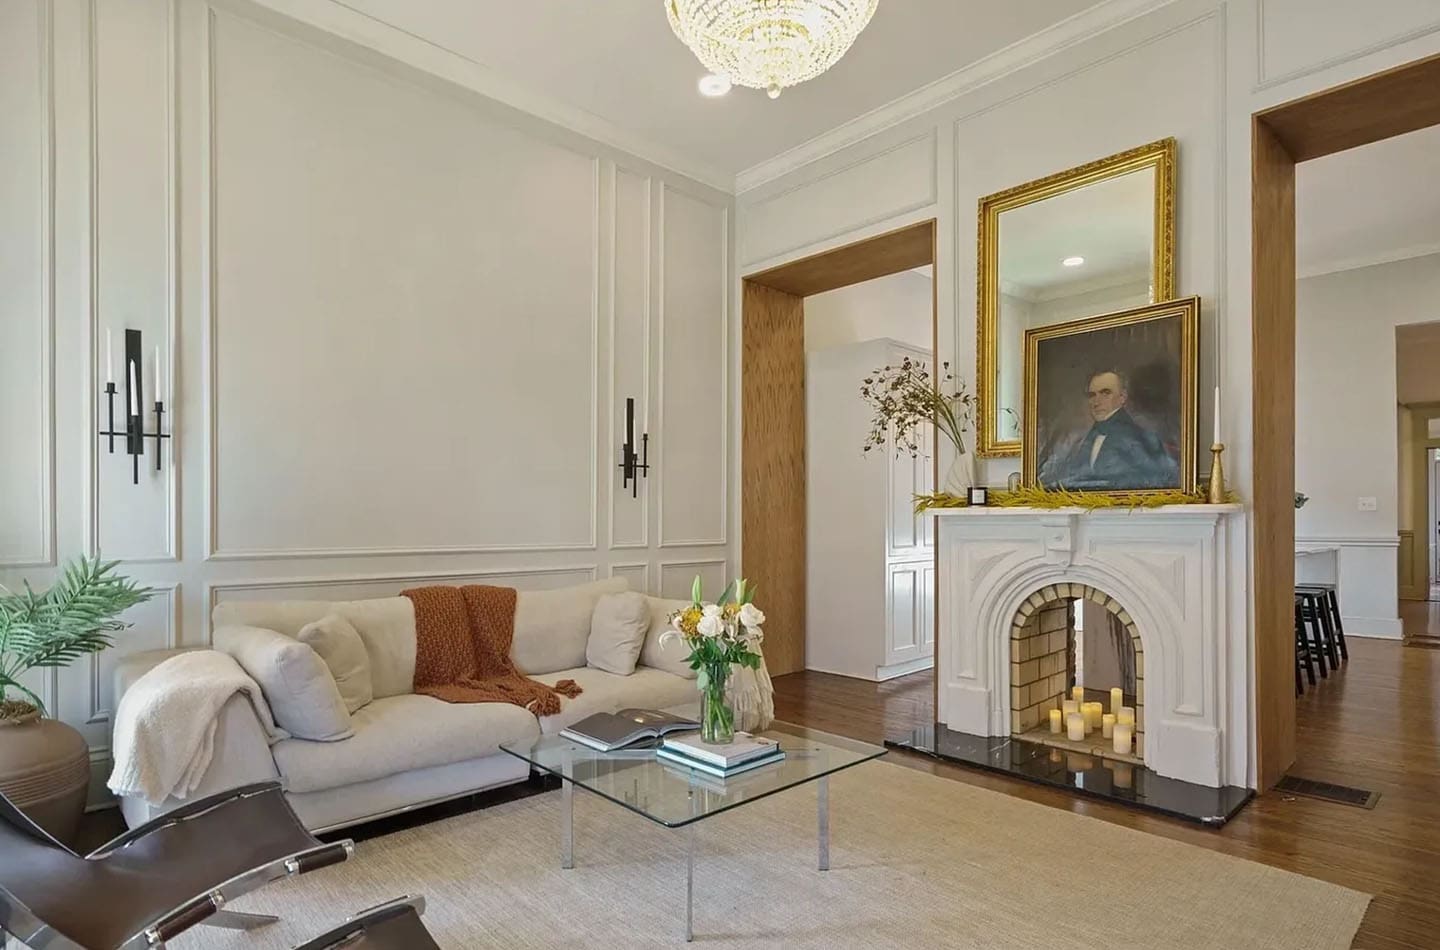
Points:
[401,734]
[617,631]
[672,656]
[337,643]
[646,688]
[553,626]
[296,682]
[386,624]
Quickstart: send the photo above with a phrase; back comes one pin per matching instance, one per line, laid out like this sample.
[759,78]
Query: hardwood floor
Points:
[1376,725]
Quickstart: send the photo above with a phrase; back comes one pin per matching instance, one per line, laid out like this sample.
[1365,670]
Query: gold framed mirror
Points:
[1094,239]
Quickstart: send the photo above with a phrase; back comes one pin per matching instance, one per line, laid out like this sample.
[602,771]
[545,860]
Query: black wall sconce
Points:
[633,466]
[134,432]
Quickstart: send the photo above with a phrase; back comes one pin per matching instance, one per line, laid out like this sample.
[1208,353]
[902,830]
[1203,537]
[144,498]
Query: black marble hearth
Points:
[1089,775]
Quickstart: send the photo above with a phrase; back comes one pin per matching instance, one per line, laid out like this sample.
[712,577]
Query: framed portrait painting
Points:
[1110,401]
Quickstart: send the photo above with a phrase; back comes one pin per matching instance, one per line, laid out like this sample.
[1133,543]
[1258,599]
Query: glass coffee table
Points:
[678,797]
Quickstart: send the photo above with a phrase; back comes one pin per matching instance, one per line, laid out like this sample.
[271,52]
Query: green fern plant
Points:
[74,618]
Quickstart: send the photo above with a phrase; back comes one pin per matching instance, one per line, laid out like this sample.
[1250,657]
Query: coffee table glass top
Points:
[673,795]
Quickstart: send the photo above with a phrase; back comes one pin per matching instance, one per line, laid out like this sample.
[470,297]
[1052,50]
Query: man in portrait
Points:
[1117,452]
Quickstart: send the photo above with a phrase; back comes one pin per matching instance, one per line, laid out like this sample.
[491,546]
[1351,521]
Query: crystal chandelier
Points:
[769,44]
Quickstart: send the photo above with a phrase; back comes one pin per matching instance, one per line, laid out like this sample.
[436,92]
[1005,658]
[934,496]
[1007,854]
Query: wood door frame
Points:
[1376,107]
[772,412]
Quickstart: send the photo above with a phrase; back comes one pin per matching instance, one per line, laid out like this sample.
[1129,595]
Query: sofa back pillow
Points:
[343,652]
[552,627]
[672,657]
[385,624]
[298,686]
[617,632]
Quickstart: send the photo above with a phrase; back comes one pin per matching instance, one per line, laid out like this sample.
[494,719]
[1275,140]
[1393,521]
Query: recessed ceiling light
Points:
[714,85]
[1073,261]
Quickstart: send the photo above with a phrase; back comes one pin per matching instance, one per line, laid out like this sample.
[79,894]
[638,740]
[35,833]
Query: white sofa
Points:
[407,750]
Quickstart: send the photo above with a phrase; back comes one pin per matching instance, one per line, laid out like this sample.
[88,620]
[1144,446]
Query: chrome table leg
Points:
[690,883]
[822,799]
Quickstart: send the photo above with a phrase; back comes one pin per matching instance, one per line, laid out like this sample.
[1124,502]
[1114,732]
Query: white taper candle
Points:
[1216,439]
[109,357]
[130,375]
[157,374]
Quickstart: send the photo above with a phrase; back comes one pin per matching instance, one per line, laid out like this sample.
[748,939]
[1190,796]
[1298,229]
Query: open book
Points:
[608,731]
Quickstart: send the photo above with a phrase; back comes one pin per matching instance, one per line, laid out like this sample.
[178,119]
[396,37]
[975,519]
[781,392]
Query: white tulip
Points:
[751,616]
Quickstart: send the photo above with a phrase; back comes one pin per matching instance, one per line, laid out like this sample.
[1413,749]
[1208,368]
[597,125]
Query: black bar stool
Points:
[1330,599]
[1302,651]
[1317,613]
[1313,630]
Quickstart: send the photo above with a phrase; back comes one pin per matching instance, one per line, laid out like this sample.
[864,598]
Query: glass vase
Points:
[717,718]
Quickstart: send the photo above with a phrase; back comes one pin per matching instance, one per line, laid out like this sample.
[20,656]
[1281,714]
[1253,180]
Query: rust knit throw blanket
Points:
[462,649]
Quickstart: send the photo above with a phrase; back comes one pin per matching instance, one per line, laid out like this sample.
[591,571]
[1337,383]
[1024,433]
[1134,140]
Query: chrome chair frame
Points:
[206,907]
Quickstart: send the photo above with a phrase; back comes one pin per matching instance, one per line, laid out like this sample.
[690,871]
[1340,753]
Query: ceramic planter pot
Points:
[45,771]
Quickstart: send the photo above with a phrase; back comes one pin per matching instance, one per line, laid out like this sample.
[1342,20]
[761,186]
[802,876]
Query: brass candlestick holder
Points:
[1217,474]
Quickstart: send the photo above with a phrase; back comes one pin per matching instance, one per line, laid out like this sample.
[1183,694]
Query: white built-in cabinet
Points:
[870,559]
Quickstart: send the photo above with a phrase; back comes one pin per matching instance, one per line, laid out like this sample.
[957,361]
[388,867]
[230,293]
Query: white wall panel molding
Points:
[27,78]
[1349,541]
[387,584]
[630,351]
[1354,32]
[156,627]
[1103,16]
[835,202]
[510,145]
[694,338]
[675,578]
[141,523]
[637,573]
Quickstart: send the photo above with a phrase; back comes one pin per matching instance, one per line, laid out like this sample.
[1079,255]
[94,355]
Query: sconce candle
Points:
[109,357]
[157,374]
[134,405]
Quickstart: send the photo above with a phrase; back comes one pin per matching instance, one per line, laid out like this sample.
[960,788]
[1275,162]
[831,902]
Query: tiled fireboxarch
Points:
[1040,647]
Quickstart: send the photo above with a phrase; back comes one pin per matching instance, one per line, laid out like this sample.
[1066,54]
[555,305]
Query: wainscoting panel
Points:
[629,352]
[133,266]
[694,402]
[405,315]
[26,285]
[886,180]
[1299,37]
[155,625]
[638,575]
[676,578]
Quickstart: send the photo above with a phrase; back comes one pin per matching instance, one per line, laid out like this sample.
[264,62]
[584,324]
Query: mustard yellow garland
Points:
[1062,498]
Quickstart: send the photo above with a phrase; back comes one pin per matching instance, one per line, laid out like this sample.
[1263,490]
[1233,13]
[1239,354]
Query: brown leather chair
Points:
[392,926]
[157,880]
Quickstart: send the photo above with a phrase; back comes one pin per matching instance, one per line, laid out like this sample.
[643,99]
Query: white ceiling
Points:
[619,61]
[1368,205]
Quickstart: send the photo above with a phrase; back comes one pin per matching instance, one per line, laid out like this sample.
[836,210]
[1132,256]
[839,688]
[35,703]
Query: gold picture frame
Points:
[1160,156]
[1075,371]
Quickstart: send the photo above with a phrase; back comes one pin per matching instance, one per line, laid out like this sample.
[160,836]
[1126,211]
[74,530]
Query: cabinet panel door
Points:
[904,626]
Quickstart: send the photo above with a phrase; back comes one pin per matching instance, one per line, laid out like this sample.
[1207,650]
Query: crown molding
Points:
[1336,265]
[1082,26]
[339,18]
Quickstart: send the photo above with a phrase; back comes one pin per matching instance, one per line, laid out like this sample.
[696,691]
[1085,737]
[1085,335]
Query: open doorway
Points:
[1382,106]
[773,496]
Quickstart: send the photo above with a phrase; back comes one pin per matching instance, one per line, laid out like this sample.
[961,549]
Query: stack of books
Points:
[744,753]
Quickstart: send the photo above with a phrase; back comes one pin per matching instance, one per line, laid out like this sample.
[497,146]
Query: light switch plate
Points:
[1367,503]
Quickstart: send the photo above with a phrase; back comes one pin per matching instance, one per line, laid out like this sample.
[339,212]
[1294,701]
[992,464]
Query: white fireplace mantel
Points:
[1168,567]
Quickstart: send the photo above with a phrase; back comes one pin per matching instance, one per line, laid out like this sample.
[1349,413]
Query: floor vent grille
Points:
[1328,791]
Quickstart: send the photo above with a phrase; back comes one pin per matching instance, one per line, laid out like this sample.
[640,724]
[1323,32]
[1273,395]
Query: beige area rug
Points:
[916,861]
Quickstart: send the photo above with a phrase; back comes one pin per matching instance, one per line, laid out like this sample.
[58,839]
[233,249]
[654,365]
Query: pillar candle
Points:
[1123,734]
[1107,726]
[1077,693]
[1075,727]
[1126,715]
[1117,699]
[1055,721]
[1070,706]
[1093,712]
